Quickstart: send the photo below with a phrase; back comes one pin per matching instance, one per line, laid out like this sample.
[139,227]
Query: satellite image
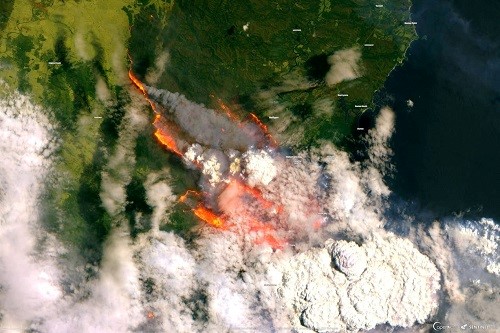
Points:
[258,166]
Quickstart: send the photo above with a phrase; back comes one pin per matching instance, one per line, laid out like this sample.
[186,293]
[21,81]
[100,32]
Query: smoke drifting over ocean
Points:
[299,243]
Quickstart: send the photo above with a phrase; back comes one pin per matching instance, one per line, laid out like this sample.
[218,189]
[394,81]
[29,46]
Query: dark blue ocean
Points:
[447,145]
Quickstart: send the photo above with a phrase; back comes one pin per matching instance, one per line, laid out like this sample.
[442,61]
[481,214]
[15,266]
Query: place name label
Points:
[379,6]
[273,117]
[368,45]
[294,159]
[410,23]
[296,30]
[342,95]
[54,62]
[361,106]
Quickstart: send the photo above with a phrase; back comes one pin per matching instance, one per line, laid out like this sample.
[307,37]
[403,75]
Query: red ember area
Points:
[252,192]
[266,235]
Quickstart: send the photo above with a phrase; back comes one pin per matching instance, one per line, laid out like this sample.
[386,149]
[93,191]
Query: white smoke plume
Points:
[344,66]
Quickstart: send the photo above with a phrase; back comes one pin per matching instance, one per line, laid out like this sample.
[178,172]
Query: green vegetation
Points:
[243,52]
[236,49]
[57,52]
[6,7]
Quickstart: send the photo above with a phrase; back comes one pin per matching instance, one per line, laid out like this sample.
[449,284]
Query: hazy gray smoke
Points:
[207,126]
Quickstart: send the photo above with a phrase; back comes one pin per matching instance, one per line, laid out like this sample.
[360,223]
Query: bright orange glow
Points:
[150,315]
[141,87]
[157,120]
[244,195]
[264,129]
[166,140]
[209,217]
[185,196]
[137,83]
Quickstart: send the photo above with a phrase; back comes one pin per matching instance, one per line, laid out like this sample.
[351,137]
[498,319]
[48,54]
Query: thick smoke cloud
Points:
[335,288]
[304,248]
[323,193]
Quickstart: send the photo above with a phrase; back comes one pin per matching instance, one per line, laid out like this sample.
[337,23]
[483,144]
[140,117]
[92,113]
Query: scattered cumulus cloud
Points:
[345,66]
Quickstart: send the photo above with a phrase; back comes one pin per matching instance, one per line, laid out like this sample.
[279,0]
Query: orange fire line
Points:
[165,138]
[167,141]
[137,83]
[228,111]
[184,197]
[264,129]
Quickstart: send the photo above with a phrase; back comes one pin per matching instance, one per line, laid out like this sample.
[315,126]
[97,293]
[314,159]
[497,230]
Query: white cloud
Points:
[344,66]
[102,91]
[113,303]
[29,283]
[83,48]
[393,275]
[259,167]
[155,73]
[159,196]
[116,174]
[378,138]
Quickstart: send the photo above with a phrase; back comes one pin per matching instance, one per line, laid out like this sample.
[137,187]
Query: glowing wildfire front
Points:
[209,217]
[264,129]
[264,233]
[167,141]
[137,83]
